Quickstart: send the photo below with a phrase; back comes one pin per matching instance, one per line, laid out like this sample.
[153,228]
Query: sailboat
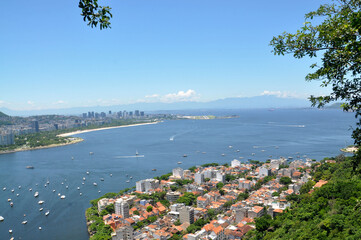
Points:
[136,153]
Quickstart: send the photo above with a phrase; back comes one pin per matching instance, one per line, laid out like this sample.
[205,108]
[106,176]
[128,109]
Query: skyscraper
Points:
[122,208]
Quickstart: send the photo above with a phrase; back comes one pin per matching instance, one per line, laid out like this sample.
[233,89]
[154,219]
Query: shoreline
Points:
[104,128]
[72,141]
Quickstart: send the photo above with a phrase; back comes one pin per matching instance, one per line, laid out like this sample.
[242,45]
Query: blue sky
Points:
[159,50]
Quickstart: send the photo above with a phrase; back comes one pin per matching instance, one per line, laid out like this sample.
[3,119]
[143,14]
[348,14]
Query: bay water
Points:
[255,134]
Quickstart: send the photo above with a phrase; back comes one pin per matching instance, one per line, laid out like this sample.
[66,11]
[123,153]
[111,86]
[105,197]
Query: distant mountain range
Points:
[227,103]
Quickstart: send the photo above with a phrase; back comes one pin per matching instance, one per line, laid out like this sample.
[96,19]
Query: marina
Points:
[161,154]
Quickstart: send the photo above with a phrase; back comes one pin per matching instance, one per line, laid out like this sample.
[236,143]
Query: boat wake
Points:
[135,156]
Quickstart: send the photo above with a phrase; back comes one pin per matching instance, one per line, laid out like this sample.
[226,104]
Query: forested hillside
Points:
[332,211]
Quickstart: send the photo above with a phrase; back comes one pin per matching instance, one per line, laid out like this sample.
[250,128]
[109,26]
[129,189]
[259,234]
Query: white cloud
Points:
[180,96]
[284,94]
[59,102]
[30,102]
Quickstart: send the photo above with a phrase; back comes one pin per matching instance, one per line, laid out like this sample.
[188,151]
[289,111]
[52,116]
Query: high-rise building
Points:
[142,114]
[199,178]
[35,126]
[136,113]
[146,185]
[84,115]
[124,233]
[122,208]
[110,112]
[6,138]
[130,114]
[186,215]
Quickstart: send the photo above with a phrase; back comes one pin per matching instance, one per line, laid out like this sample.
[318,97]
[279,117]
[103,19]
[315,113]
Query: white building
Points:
[122,208]
[199,178]
[235,163]
[146,185]
[178,173]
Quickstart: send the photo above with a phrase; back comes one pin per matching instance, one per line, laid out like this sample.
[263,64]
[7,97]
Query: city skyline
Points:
[155,52]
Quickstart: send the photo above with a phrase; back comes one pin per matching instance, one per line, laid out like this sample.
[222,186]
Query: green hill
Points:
[332,211]
[3,115]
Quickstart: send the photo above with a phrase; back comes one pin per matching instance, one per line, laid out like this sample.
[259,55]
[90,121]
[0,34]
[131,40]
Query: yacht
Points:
[17,194]
[223,154]
[36,194]
[29,167]
[30,189]
[10,231]
[230,146]
[53,190]
[41,209]
[111,175]
[62,197]
[67,187]
[95,184]
[9,199]
[47,213]
[4,188]
[83,178]
[59,194]
[87,173]
[80,194]
[19,187]
[11,204]
[39,228]
[41,202]
[128,181]
[24,222]
[12,190]
[237,150]
[78,188]
[102,179]
[179,162]
[72,158]
[91,153]
[131,177]
[184,155]
[136,153]
[154,169]
[1,218]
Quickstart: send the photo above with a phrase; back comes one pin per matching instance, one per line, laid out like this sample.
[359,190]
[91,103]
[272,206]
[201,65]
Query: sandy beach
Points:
[104,128]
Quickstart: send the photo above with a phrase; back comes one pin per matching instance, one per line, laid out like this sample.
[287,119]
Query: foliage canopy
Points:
[335,35]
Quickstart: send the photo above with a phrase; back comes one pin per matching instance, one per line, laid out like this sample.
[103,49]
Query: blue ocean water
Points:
[257,134]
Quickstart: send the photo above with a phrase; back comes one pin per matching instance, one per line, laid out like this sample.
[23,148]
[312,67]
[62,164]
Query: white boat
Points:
[72,158]
[41,209]
[78,188]
[62,197]
[41,202]
[127,181]
[203,152]
[82,183]
[47,213]
[87,173]
[4,188]
[19,187]
[230,146]
[102,179]
[17,194]
[47,182]
[80,194]
[95,184]
[53,190]
[45,185]
[24,222]
[11,204]
[83,178]
[36,194]
[59,194]
[136,153]
[179,162]
[67,187]
[111,175]
[9,199]
[62,183]
[223,154]
[131,177]
[10,231]
[1,218]
[253,154]
[39,228]
[237,150]
[91,153]
[12,190]
[99,191]
[30,189]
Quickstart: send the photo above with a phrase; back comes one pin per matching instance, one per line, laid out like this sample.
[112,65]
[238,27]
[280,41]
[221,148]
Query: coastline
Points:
[104,128]
[72,141]
[350,149]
